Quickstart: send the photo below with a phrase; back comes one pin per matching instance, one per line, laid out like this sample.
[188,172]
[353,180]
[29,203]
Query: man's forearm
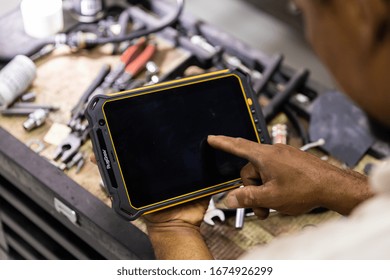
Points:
[346,190]
[175,242]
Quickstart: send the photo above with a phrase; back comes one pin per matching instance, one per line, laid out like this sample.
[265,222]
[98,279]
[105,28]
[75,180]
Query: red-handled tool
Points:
[136,65]
[127,57]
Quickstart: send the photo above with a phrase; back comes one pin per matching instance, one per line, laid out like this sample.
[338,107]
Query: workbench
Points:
[46,213]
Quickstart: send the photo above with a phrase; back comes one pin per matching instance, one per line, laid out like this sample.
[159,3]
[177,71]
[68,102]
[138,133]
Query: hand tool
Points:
[28,105]
[36,145]
[320,142]
[138,61]
[152,73]
[234,62]
[295,82]
[79,109]
[67,151]
[80,165]
[25,109]
[75,160]
[202,42]
[70,146]
[35,119]
[212,213]
[127,57]
[260,85]
[28,97]
[17,111]
[240,216]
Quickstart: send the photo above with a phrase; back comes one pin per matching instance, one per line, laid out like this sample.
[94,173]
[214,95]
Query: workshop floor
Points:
[248,23]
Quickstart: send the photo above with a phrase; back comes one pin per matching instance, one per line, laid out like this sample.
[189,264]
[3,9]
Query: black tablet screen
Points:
[160,138]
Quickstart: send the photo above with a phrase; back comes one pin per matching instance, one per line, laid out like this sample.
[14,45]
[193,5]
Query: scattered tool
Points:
[80,165]
[128,56]
[212,213]
[152,71]
[294,84]
[234,62]
[36,145]
[138,54]
[35,119]
[79,110]
[70,146]
[319,143]
[75,160]
[25,109]
[28,97]
[260,85]
[35,106]
[240,216]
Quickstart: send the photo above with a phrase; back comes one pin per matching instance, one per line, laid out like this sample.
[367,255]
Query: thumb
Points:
[247,197]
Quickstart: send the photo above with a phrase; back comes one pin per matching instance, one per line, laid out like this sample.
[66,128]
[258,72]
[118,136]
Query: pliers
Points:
[132,61]
[137,57]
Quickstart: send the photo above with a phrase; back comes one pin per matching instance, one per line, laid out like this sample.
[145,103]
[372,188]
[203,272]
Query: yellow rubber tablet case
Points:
[151,143]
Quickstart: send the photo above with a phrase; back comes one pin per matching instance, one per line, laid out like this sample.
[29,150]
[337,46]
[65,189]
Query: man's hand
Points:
[175,232]
[290,181]
[191,213]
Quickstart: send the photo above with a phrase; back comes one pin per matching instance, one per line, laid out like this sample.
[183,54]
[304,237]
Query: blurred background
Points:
[267,25]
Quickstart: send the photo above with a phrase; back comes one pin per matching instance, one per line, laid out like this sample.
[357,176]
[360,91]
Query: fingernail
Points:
[231,202]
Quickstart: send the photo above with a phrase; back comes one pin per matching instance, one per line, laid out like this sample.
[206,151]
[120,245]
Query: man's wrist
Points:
[345,189]
[177,240]
[171,226]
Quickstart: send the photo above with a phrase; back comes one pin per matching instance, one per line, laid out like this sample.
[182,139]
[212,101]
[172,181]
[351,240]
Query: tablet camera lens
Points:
[102,122]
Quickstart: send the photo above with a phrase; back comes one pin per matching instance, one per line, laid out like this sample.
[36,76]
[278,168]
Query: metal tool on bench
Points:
[77,113]
[35,119]
[70,146]
[292,86]
[240,216]
[132,61]
[152,71]
[25,109]
[139,55]
[78,110]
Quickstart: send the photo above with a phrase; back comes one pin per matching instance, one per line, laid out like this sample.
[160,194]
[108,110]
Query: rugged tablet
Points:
[151,143]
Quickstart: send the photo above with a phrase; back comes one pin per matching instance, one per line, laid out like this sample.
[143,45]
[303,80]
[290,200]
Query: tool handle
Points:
[131,52]
[93,86]
[112,76]
[240,216]
[268,73]
[127,57]
[139,63]
[291,87]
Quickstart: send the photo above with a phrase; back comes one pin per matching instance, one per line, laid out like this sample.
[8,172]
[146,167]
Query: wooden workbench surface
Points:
[62,78]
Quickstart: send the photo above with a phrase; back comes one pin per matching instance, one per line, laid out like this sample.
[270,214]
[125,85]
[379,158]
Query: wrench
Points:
[213,212]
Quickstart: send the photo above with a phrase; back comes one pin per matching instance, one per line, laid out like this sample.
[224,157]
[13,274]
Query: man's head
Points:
[352,37]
